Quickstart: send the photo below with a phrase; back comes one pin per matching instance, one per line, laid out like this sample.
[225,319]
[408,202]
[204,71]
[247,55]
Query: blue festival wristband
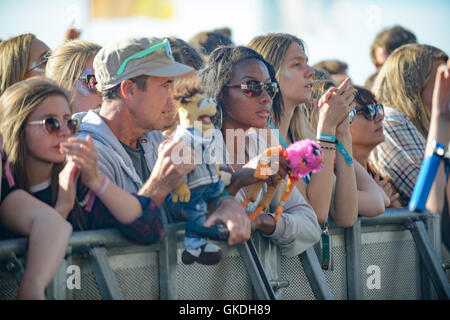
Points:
[219,201]
[344,152]
[326,137]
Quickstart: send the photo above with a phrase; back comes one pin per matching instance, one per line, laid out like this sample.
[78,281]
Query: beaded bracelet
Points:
[327,147]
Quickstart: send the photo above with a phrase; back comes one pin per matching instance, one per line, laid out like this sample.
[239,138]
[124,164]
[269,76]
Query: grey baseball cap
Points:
[131,57]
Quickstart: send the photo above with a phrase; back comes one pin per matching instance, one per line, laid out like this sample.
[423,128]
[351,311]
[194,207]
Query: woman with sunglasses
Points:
[333,188]
[21,57]
[245,89]
[61,170]
[367,132]
[71,66]
[22,214]
[404,86]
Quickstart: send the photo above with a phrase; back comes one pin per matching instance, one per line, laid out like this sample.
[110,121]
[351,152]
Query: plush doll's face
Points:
[200,109]
[304,156]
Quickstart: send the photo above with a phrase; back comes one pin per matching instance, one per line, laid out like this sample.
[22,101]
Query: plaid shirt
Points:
[146,229]
[400,156]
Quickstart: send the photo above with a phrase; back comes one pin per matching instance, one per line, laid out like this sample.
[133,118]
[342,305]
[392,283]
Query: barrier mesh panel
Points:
[337,278]
[140,283]
[89,288]
[228,280]
[399,268]
[299,288]
[8,286]
[292,271]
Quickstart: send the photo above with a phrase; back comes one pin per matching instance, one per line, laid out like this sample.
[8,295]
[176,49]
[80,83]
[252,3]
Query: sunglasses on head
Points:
[90,81]
[52,124]
[42,62]
[255,88]
[369,112]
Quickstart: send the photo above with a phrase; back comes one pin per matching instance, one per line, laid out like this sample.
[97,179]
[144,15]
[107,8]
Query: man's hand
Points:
[167,174]
[231,214]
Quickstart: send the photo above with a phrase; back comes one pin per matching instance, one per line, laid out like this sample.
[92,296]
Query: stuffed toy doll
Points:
[203,183]
[303,156]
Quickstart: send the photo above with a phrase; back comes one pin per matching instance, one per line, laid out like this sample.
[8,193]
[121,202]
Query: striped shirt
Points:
[400,156]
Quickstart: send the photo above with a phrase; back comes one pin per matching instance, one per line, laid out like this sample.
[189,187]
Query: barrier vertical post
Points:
[354,261]
[315,275]
[168,289]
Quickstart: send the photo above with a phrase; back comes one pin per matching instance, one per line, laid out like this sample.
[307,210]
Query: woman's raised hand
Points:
[335,105]
[84,154]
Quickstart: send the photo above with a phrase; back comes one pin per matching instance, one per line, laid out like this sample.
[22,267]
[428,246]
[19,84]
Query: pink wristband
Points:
[102,187]
[90,197]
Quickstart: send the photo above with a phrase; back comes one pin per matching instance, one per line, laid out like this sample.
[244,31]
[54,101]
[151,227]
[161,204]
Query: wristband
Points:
[344,152]
[8,173]
[326,137]
[90,197]
[225,192]
[103,187]
[327,147]
[325,141]
[220,200]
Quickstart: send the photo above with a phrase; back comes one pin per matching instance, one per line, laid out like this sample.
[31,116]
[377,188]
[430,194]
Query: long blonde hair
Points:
[17,103]
[402,78]
[14,56]
[322,82]
[273,47]
[67,62]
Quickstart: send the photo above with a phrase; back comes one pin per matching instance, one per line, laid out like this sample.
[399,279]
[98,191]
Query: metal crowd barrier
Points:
[397,255]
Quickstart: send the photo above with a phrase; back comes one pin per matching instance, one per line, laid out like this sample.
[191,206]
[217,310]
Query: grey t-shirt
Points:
[138,159]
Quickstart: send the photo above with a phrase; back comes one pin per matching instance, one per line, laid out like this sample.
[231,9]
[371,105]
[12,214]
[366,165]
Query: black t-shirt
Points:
[138,158]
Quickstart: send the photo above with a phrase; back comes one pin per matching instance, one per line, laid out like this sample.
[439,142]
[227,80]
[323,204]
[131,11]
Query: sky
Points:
[331,29]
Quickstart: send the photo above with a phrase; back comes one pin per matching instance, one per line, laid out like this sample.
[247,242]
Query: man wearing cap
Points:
[134,76]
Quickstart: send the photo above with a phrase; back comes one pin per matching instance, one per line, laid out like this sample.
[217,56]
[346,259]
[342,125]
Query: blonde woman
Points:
[37,129]
[322,82]
[287,55]
[71,66]
[21,57]
[404,86]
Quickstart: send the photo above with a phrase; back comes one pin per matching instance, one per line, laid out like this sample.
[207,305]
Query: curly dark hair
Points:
[218,72]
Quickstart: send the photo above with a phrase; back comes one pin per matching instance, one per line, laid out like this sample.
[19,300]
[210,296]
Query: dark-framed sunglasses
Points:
[255,88]
[90,81]
[52,124]
[44,61]
[369,112]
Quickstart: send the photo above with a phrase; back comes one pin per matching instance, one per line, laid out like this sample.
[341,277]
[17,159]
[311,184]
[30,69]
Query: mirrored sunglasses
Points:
[52,125]
[369,112]
[90,81]
[255,88]
[44,61]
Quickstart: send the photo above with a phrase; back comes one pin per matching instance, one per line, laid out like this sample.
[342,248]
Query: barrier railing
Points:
[392,256]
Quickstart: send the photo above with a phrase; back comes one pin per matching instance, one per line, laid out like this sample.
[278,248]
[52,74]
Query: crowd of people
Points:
[87,137]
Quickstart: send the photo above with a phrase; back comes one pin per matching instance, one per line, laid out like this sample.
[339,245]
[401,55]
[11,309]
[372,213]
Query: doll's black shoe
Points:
[207,254]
